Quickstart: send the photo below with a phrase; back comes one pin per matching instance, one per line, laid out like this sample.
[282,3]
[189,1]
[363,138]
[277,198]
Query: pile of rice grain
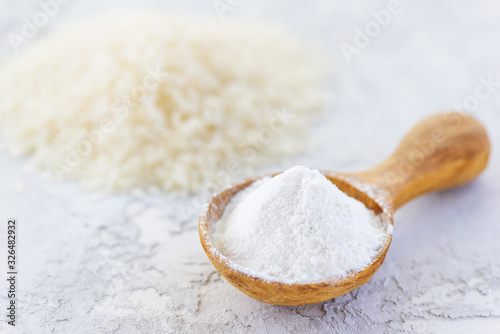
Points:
[161,100]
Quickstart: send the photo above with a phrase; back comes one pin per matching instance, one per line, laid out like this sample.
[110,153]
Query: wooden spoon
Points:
[443,151]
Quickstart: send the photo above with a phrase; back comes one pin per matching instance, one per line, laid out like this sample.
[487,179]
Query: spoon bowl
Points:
[275,292]
[441,152]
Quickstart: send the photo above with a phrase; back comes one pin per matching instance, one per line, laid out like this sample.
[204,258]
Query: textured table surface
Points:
[134,264]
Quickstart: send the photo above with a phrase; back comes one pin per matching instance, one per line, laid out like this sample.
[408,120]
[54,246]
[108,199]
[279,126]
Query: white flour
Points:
[298,227]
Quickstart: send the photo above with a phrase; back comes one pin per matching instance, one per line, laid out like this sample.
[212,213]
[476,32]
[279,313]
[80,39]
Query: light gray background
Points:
[129,264]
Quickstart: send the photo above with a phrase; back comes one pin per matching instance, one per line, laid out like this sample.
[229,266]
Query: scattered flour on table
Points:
[159,99]
[298,227]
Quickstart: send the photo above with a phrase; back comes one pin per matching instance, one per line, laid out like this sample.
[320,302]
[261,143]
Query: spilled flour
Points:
[298,227]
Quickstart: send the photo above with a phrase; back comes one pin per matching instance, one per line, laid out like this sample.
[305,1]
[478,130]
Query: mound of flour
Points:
[298,227]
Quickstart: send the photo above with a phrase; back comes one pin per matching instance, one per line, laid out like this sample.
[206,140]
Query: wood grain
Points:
[443,151]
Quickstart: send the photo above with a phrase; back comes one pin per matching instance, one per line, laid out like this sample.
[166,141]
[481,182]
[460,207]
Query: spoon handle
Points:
[442,151]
